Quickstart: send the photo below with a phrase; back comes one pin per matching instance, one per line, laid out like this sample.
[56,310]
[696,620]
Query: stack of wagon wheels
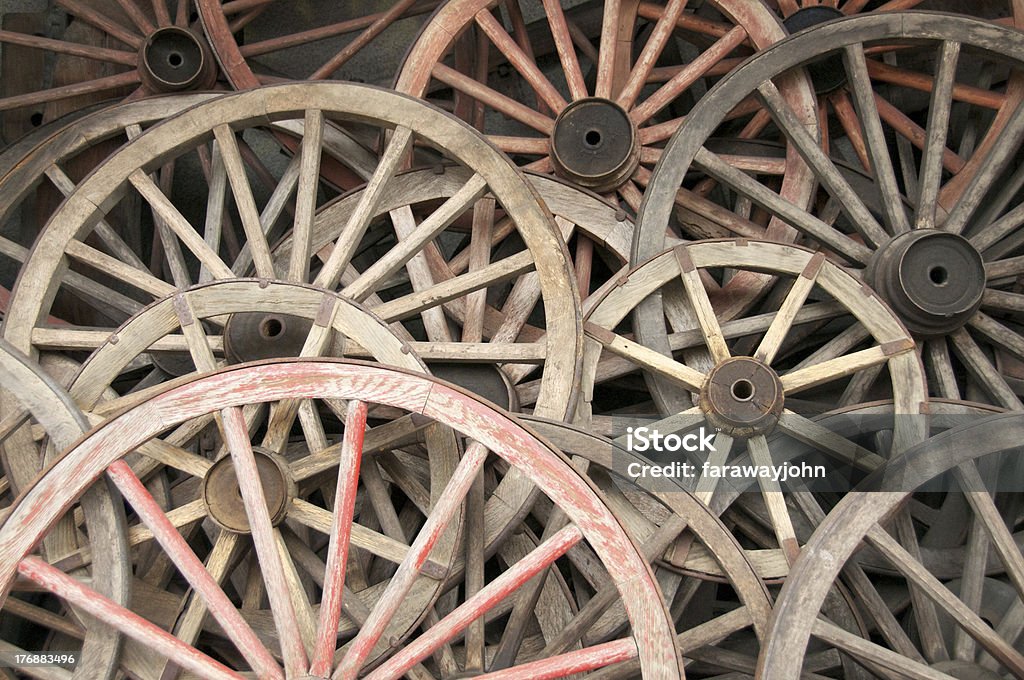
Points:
[344,340]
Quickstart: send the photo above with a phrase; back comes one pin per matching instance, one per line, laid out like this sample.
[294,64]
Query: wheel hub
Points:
[174,364]
[223,497]
[742,397]
[484,380]
[933,280]
[595,144]
[175,59]
[252,336]
[827,74]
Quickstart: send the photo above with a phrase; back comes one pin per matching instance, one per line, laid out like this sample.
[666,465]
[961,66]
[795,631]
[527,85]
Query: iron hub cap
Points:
[174,59]
[595,144]
[252,336]
[827,74]
[223,498]
[933,280]
[742,397]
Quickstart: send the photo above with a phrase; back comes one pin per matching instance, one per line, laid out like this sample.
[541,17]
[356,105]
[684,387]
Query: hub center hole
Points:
[743,390]
[175,59]
[592,138]
[271,327]
[938,275]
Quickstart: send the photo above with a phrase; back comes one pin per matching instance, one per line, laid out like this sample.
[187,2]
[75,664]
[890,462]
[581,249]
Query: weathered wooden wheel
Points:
[761,377]
[940,249]
[28,391]
[377,265]
[595,115]
[329,41]
[360,386]
[956,625]
[76,54]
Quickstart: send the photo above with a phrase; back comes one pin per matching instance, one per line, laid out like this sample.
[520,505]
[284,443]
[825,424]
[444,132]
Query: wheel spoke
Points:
[938,125]
[65,47]
[305,199]
[102,22]
[879,656]
[831,443]
[523,63]
[350,236]
[646,358]
[705,314]
[565,49]
[390,601]
[608,54]
[783,321]
[497,101]
[163,16]
[337,550]
[86,87]
[980,367]
[362,40]
[774,500]
[651,53]
[840,367]
[215,206]
[129,623]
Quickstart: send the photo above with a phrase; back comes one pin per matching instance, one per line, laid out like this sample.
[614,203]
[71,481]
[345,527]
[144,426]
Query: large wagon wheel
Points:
[954,631]
[266,42]
[376,278]
[34,393]
[487,430]
[79,53]
[596,115]
[761,372]
[941,253]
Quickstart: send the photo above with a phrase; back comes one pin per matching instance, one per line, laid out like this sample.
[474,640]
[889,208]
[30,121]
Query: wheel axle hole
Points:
[743,390]
[592,138]
[938,275]
[36,119]
[271,327]
[175,59]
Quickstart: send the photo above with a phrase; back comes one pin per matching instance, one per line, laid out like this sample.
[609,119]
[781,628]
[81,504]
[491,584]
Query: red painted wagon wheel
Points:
[761,372]
[28,391]
[196,253]
[487,430]
[103,48]
[954,630]
[250,40]
[941,250]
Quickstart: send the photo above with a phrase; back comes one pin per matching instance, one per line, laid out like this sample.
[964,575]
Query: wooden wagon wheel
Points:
[651,637]
[205,256]
[27,390]
[123,48]
[267,42]
[950,636]
[959,303]
[595,114]
[759,365]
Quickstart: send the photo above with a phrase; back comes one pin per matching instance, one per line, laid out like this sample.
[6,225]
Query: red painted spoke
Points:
[520,60]
[139,17]
[788,7]
[686,77]
[341,529]
[75,49]
[919,81]
[566,50]
[606,58]
[163,16]
[350,50]
[236,435]
[450,501]
[571,663]
[497,101]
[102,22]
[181,16]
[131,624]
[651,53]
[479,604]
[175,546]
[64,92]
[236,6]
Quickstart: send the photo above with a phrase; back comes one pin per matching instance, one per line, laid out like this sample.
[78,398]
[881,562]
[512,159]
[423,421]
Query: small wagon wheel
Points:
[950,636]
[599,115]
[79,53]
[487,430]
[30,391]
[959,304]
[759,365]
[251,43]
[196,253]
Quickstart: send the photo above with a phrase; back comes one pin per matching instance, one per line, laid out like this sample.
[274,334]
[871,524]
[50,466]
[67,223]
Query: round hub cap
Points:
[934,280]
[826,73]
[175,59]
[742,397]
[251,336]
[481,379]
[595,144]
[223,497]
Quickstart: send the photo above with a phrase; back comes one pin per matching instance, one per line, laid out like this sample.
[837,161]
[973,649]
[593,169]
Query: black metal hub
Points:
[223,497]
[251,336]
[933,280]
[595,144]
[827,73]
[742,397]
[174,59]
[483,380]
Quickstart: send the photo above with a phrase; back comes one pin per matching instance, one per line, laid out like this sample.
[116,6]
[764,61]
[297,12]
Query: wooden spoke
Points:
[92,16]
[566,51]
[647,358]
[71,48]
[938,124]
[496,100]
[520,60]
[774,500]
[371,32]
[650,54]
[783,321]
[833,369]
[306,198]
[702,309]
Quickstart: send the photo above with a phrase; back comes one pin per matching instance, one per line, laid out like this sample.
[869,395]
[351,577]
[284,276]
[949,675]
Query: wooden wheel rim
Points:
[348,380]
